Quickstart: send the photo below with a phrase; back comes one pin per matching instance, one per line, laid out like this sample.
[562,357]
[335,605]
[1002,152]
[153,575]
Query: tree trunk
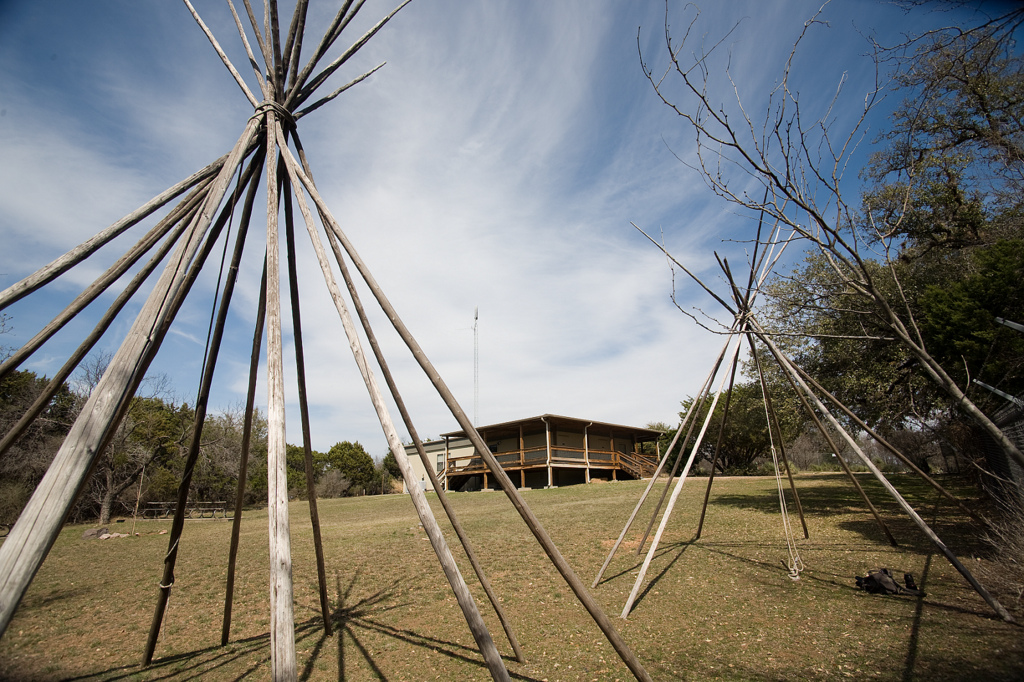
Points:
[107,501]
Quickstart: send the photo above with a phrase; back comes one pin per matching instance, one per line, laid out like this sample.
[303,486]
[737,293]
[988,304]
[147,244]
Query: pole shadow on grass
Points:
[201,662]
[350,618]
[682,547]
[915,629]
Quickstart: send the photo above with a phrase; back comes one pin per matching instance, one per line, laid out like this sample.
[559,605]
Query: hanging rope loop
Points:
[795,564]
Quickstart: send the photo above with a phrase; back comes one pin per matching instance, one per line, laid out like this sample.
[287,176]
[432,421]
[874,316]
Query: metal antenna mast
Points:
[476,367]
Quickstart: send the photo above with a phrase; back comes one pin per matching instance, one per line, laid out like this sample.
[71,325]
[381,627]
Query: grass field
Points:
[721,607]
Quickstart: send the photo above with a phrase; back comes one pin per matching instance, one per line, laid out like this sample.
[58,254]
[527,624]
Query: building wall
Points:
[437,452]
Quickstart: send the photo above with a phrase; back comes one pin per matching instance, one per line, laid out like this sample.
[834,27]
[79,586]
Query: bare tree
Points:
[153,430]
[788,166]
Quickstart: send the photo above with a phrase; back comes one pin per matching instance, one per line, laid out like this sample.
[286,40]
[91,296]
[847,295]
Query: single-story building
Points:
[541,452]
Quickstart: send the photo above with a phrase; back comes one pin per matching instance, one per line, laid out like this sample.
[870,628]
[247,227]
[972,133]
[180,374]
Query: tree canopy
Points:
[893,306]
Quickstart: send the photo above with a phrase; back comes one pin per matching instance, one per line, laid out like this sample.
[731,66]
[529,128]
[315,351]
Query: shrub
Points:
[332,484]
[1004,574]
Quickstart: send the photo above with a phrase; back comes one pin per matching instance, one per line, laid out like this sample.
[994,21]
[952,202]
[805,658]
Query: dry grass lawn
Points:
[718,608]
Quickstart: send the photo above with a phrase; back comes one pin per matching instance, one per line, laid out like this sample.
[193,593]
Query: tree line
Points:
[145,458]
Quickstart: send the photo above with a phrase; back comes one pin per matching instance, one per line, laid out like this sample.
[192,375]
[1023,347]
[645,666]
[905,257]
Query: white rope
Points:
[795,564]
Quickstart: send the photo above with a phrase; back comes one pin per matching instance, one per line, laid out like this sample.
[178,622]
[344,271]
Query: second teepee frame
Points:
[745,324]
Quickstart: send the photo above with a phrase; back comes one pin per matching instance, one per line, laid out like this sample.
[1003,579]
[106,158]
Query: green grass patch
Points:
[721,607]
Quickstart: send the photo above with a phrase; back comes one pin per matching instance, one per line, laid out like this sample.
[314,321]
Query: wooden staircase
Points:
[637,466]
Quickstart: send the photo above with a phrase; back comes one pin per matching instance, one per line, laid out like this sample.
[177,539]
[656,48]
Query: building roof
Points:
[642,434]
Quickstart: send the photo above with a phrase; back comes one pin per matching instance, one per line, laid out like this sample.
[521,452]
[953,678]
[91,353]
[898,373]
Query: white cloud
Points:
[496,161]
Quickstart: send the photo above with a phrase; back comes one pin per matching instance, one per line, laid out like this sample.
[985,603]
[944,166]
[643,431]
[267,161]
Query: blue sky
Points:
[496,161]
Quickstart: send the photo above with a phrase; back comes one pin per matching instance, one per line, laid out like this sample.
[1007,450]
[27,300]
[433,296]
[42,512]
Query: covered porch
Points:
[549,451]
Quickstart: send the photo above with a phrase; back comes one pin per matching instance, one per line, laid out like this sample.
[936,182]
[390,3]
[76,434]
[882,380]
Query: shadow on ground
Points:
[249,658]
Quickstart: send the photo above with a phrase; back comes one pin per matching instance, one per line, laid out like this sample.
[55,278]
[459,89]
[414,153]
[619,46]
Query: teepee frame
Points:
[746,325]
[189,232]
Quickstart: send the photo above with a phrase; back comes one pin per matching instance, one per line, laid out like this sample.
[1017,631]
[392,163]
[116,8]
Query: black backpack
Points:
[880,581]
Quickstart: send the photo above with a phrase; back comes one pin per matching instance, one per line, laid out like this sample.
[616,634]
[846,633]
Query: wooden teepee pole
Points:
[282,624]
[668,451]
[718,448]
[778,430]
[54,269]
[427,464]
[58,379]
[698,405]
[243,460]
[789,368]
[835,448]
[407,419]
[891,448]
[563,567]
[300,371]
[675,493]
[437,541]
[40,521]
[202,400]
[103,282]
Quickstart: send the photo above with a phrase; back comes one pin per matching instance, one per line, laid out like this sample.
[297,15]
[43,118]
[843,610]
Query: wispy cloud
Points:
[495,162]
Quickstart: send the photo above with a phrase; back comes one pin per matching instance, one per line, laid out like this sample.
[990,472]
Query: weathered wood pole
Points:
[563,567]
[40,521]
[835,449]
[718,448]
[243,460]
[427,464]
[661,465]
[103,282]
[891,448]
[300,371]
[282,624]
[675,493]
[43,399]
[202,398]
[62,264]
[698,404]
[407,419]
[437,541]
[778,430]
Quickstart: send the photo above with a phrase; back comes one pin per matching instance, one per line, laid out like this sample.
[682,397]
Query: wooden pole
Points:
[111,275]
[264,90]
[39,523]
[282,624]
[59,266]
[202,400]
[300,92]
[602,621]
[671,446]
[675,495]
[138,499]
[340,22]
[427,464]
[451,570]
[43,399]
[698,404]
[407,419]
[243,461]
[718,447]
[790,370]
[268,59]
[300,370]
[223,57]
